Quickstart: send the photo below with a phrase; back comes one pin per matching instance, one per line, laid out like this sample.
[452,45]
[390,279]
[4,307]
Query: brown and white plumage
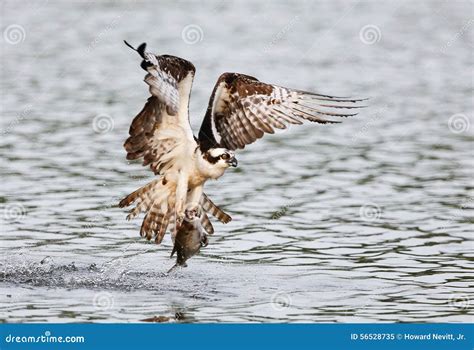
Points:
[240,111]
[156,219]
[162,127]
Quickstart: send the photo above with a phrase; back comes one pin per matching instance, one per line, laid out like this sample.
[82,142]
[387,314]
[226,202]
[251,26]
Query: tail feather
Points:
[138,194]
[162,230]
[133,213]
[150,222]
[206,223]
[153,200]
[214,210]
[157,201]
[144,196]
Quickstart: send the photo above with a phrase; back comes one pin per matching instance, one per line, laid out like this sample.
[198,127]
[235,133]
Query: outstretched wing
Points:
[160,132]
[242,109]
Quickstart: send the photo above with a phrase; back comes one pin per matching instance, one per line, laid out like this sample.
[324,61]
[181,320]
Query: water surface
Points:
[366,221]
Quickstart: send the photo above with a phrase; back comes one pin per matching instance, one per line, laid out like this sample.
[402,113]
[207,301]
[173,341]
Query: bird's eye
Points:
[225,156]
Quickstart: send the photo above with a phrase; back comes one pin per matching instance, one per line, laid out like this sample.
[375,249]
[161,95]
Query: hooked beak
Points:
[232,161]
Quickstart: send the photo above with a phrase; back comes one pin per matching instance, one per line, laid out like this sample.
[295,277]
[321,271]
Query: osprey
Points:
[241,110]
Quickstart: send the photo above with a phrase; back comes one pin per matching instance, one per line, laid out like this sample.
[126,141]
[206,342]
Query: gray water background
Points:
[366,221]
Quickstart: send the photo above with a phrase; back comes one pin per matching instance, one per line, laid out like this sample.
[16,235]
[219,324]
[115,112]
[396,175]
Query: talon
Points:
[204,241]
[179,219]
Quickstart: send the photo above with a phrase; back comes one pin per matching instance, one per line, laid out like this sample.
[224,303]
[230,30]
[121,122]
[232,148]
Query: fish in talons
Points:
[191,235]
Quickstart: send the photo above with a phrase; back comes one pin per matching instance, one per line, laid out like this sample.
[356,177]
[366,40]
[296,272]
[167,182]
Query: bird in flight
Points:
[241,110]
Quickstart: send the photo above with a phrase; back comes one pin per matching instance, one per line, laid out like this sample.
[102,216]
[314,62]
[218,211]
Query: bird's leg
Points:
[193,199]
[181,191]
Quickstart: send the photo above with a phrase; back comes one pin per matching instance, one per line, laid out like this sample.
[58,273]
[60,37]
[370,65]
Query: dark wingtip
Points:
[140,49]
[359,99]
[130,46]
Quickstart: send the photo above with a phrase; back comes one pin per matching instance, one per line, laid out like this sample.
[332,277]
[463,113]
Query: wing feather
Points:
[259,123]
[252,124]
[159,133]
[242,109]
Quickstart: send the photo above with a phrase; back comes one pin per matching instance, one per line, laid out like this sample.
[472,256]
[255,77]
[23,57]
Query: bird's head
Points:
[221,157]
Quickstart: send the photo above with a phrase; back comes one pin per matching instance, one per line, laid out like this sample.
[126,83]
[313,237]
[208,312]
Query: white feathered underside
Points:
[162,85]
